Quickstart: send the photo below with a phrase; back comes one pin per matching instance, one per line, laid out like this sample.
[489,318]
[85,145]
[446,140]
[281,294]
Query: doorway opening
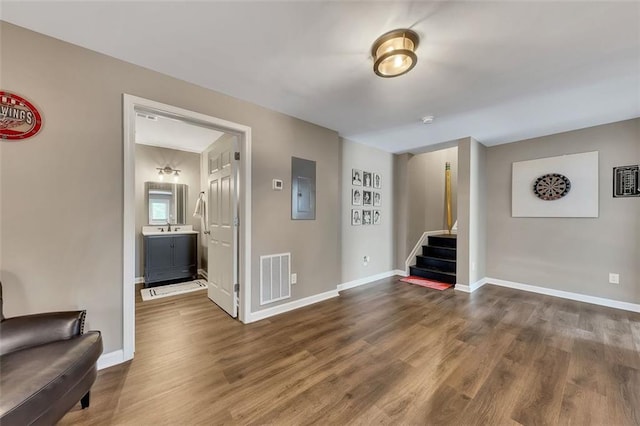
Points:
[225,188]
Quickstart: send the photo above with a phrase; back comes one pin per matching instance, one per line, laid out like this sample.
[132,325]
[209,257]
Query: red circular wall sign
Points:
[19,119]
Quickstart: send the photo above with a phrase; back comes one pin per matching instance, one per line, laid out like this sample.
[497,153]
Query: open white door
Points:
[222,261]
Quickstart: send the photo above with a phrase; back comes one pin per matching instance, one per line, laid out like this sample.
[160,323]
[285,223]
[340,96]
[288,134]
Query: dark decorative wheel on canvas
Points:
[552,186]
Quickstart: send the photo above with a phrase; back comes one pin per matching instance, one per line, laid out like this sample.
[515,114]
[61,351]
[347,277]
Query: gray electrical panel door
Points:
[303,189]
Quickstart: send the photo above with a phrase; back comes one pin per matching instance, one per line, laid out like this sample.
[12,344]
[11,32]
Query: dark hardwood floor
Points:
[385,353]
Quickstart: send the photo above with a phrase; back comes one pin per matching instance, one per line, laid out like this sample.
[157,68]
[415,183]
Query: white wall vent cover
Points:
[275,277]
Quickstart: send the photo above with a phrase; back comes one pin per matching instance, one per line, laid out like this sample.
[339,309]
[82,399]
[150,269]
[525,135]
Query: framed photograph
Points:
[366,198]
[626,181]
[356,197]
[376,181]
[356,177]
[376,217]
[356,217]
[366,179]
[376,199]
[366,217]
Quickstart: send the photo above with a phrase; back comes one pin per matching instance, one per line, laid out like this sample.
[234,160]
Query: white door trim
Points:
[130,103]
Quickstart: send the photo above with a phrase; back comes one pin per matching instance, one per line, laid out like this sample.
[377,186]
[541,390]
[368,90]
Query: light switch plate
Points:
[294,278]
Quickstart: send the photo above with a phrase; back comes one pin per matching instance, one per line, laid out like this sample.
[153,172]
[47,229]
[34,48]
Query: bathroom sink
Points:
[162,230]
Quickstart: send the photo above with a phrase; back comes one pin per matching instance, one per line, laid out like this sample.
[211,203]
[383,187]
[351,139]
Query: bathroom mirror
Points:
[166,202]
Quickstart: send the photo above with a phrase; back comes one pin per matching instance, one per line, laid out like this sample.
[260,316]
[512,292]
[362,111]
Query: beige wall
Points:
[314,244]
[421,199]
[401,208]
[375,241]
[147,159]
[464,210]
[472,212]
[62,191]
[574,255]
[427,208]
[478,211]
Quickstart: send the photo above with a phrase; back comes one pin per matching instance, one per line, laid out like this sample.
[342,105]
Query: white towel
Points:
[199,211]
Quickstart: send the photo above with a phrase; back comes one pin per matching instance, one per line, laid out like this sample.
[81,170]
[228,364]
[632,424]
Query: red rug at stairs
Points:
[423,282]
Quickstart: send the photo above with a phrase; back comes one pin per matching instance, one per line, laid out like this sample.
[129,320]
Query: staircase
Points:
[438,259]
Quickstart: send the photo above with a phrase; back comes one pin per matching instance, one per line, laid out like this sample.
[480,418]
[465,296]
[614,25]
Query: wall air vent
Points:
[275,277]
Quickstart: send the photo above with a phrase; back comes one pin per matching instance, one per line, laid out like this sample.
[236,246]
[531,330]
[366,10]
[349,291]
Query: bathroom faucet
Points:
[168,226]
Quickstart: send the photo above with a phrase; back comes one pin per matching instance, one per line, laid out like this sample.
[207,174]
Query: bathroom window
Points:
[159,208]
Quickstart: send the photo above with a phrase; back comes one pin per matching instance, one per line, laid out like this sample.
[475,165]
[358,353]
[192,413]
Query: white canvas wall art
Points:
[563,186]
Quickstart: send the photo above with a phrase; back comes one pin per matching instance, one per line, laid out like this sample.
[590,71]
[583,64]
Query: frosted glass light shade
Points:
[394,53]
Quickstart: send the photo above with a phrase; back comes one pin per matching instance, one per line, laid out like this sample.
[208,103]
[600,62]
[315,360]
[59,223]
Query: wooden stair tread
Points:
[439,247]
[453,274]
[437,258]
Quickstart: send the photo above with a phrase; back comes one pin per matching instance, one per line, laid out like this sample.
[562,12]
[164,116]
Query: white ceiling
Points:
[497,71]
[172,133]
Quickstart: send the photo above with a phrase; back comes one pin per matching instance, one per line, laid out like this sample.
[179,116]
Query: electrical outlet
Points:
[294,278]
[614,278]
[365,260]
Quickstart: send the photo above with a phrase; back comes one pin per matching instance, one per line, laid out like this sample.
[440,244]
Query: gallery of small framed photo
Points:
[356,217]
[356,197]
[356,177]
[366,193]
[367,179]
[376,217]
[366,217]
[367,198]
[376,199]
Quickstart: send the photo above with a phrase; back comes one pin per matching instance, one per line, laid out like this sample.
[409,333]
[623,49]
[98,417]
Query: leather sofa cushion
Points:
[37,329]
[34,379]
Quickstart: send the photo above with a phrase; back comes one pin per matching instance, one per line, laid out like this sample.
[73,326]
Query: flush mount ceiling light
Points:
[394,53]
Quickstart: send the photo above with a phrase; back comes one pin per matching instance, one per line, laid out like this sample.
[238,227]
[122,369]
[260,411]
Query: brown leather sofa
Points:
[47,365]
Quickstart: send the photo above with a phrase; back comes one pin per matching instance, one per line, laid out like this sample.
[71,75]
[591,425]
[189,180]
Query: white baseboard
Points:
[626,306]
[290,306]
[401,273]
[139,280]
[462,287]
[110,359]
[203,273]
[471,288]
[367,280]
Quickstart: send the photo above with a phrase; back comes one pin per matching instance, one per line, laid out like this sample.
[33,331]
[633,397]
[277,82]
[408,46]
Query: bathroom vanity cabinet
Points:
[170,257]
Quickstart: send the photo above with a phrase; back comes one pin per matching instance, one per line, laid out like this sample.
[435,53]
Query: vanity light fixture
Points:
[394,53]
[168,171]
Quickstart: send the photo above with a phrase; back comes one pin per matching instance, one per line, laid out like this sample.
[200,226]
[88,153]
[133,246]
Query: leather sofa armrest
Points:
[32,330]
